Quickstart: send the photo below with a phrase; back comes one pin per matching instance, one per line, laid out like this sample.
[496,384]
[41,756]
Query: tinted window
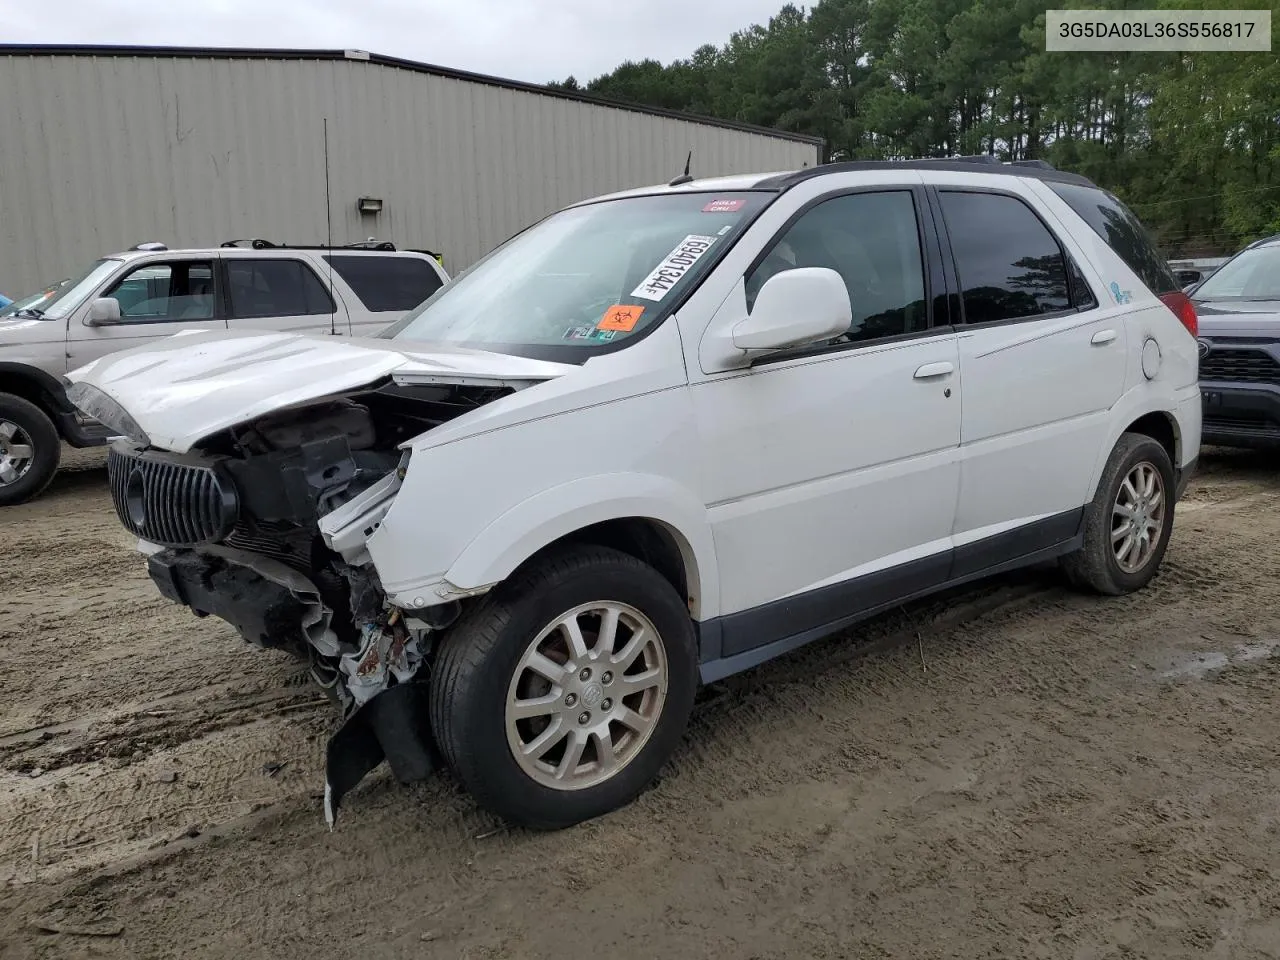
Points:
[388,283]
[1122,231]
[275,288]
[160,292]
[872,240]
[1009,263]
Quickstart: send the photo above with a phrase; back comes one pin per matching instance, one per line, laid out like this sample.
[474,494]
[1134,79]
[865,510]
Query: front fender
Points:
[542,519]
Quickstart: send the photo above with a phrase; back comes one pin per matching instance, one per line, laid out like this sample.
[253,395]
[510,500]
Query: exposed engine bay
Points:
[232,530]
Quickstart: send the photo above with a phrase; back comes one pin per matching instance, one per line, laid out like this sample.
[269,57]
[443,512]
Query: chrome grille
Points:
[169,501]
[1241,366]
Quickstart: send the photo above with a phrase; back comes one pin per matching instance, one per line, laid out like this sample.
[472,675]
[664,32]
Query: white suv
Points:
[658,438]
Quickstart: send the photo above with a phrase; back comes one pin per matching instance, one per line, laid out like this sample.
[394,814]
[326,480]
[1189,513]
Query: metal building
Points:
[105,147]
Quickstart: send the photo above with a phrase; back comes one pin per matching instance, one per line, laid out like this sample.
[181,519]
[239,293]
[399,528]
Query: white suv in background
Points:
[151,292]
[658,438]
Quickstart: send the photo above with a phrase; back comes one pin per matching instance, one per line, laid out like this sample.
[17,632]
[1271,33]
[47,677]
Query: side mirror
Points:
[794,308]
[104,312]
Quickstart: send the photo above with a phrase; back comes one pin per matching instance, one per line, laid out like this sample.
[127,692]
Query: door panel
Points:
[829,469]
[1042,364]
[157,299]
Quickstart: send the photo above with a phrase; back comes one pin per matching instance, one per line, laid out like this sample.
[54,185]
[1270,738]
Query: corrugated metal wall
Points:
[98,153]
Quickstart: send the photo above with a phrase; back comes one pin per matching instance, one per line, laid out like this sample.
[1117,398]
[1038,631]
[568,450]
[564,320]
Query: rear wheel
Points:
[29,450]
[1129,522]
[562,694]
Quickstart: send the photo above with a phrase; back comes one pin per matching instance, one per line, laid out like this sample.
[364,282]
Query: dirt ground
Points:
[1009,771]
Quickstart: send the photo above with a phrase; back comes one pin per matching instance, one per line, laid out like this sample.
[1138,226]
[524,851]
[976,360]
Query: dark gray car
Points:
[1239,338]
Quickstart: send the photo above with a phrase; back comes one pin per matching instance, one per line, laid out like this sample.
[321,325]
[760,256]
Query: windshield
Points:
[59,299]
[584,279]
[1253,275]
[35,300]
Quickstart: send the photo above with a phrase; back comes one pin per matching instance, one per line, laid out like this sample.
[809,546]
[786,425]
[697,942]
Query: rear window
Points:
[1123,232]
[384,284]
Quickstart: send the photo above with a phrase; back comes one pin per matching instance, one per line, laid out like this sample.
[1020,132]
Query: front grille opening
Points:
[1240,366]
[168,502]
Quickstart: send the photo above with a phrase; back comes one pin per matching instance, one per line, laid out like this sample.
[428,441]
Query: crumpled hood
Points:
[1238,318]
[184,388]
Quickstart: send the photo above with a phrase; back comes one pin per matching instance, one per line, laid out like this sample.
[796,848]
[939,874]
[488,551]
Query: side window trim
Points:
[953,270]
[931,268]
[171,262]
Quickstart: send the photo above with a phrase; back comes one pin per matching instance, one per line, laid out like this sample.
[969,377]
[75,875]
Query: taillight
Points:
[1183,309]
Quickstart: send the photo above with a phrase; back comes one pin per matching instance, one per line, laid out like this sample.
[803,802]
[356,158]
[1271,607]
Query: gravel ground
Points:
[1009,771]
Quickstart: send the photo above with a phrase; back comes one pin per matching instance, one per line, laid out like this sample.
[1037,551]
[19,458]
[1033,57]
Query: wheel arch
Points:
[36,386]
[650,518]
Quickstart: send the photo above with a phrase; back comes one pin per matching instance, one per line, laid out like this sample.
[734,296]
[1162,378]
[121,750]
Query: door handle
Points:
[1103,337]
[931,370]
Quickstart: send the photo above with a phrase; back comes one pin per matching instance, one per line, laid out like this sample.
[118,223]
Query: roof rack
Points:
[980,163]
[257,243]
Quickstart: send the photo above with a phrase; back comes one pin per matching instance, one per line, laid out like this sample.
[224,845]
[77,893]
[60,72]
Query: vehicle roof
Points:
[784,180]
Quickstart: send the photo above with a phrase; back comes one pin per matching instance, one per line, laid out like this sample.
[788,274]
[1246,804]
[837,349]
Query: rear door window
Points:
[1011,267]
[275,288]
[1123,232]
[387,284]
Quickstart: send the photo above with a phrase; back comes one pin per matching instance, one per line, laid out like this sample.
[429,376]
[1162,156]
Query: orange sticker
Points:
[622,318]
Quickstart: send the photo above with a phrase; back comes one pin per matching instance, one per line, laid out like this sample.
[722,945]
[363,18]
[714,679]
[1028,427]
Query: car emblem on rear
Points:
[1205,346]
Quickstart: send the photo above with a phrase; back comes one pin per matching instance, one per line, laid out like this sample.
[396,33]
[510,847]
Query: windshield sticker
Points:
[725,229]
[604,335]
[622,318]
[723,206]
[677,263]
[578,333]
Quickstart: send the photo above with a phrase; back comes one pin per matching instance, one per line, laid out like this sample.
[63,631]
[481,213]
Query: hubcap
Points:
[1137,519]
[586,695]
[16,453]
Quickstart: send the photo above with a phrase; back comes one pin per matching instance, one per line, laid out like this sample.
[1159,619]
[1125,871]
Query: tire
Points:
[23,425]
[1095,566]
[481,669]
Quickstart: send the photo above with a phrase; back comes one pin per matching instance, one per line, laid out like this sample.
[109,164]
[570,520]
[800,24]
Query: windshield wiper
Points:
[34,313]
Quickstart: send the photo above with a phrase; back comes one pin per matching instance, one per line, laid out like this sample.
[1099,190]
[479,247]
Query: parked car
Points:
[1188,273]
[150,293]
[658,438]
[1239,348]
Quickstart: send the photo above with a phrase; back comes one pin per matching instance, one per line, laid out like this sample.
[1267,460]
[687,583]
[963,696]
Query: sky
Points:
[532,40]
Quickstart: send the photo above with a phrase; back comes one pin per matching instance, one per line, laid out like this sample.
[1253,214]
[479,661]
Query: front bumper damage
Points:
[378,678]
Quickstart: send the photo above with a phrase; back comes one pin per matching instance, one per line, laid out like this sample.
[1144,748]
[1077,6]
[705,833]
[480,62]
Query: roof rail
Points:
[982,163]
[259,244]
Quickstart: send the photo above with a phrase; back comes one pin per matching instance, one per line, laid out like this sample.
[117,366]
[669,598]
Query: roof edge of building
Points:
[360,56]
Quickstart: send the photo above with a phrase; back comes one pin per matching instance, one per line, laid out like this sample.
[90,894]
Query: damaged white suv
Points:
[658,438]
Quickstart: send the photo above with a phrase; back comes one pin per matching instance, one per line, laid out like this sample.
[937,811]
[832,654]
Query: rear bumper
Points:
[1240,415]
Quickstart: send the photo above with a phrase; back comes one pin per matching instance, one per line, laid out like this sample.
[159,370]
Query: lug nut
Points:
[606,677]
[585,675]
[607,704]
[570,700]
[584,717]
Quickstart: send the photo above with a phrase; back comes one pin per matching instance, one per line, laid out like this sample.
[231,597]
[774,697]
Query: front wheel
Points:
[1127,526]
[562,694]
[29,450]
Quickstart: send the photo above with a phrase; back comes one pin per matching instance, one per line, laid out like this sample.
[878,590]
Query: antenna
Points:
[684,177]
[328,218]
